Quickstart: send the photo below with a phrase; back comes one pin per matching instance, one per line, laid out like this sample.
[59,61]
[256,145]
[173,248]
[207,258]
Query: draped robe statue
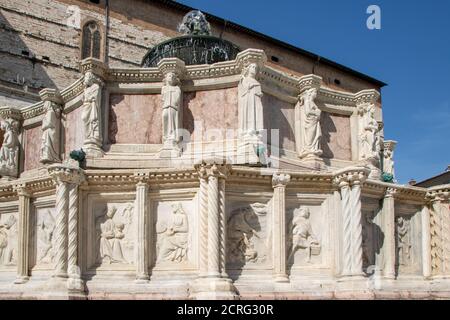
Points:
[50,134]
[368,134]
[175,238]
[91,109]
[311,131]
[171,98]
[249,103]
[302,233]
[9,151]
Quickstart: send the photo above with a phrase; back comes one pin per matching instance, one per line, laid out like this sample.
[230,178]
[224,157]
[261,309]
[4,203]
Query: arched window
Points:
[91,41]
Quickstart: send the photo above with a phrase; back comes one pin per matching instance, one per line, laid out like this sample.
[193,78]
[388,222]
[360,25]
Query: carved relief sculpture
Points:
[175,236]
[172,101]
[243,232]
[9,152]
[403,240]
[46,227]
[50,133]
[249,103]
[388,160]
[311,131]
[8,241]
[91,114]
[302,234]
[110,234]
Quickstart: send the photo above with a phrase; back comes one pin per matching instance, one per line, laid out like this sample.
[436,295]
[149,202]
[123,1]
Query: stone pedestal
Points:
[251,150]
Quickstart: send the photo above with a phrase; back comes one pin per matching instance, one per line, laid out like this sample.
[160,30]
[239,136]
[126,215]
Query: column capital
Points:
[438,193]
[68,172]
[214,167]
[309,81]
[350,176]
[280,180]
[141,178]
[390,192]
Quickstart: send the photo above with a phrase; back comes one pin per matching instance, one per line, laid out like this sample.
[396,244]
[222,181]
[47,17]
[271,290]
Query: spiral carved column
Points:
[349,181]
[279,182]
[203,220]
[67,178]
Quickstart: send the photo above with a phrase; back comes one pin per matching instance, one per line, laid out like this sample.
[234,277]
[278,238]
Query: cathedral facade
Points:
[151,151]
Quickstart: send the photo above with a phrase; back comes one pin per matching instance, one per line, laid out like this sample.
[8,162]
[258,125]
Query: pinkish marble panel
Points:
[279,115]
[74,131]
[32,147]
[135,119]
[212,109]
[336,136]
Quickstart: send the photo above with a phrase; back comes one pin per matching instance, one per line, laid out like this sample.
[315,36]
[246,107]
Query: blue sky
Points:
[411,53]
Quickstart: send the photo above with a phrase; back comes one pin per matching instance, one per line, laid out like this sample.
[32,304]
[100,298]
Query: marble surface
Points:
[32,147]
[336,136]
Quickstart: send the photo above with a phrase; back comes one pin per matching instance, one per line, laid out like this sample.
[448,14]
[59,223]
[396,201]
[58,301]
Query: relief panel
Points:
[8,240]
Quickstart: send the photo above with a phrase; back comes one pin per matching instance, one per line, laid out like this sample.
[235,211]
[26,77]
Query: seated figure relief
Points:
[302,235]
[45,239]
[111,235]
[403,230]
[174,236]
[8,241]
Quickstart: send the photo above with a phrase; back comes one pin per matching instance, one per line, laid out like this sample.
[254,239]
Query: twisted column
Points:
[67,177]
[389,232]
[213,224]
[349,181]
[222,228]
[23,235]
[203,220]
[279,182]
[62,207]
[142,204]
[357,251]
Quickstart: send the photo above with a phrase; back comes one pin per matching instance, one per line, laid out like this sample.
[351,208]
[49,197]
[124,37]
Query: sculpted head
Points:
[303,212]
[171,79]
[89,79]
[111,212]
[251,70]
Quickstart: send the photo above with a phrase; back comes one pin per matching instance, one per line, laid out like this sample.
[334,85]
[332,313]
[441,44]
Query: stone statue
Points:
[194,23]
[302,234]
[8,241]
[249,103]
[311,131]
[9,151]
[175,237]
[388,159]
[403,241]
[171,99]
[110,235]
[369,144]
[50,133]
[91,114]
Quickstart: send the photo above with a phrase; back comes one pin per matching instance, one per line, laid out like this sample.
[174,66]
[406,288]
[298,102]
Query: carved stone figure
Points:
[175,237]
[311,131]
[403,240]
[50,133]
[194,23]
[110,236]
[388,158]
[243,230]
[249,103]
[45,239]
[369,144]
[91,114]
[9,152]
[302,234]
[8,241]
[171,99]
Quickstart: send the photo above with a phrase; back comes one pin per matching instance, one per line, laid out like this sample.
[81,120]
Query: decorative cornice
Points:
[310,81]
[7,112]
[368,96]
[95,66]
[174,65]
[51,95]
[67,173]
[249,56]
[439,193]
